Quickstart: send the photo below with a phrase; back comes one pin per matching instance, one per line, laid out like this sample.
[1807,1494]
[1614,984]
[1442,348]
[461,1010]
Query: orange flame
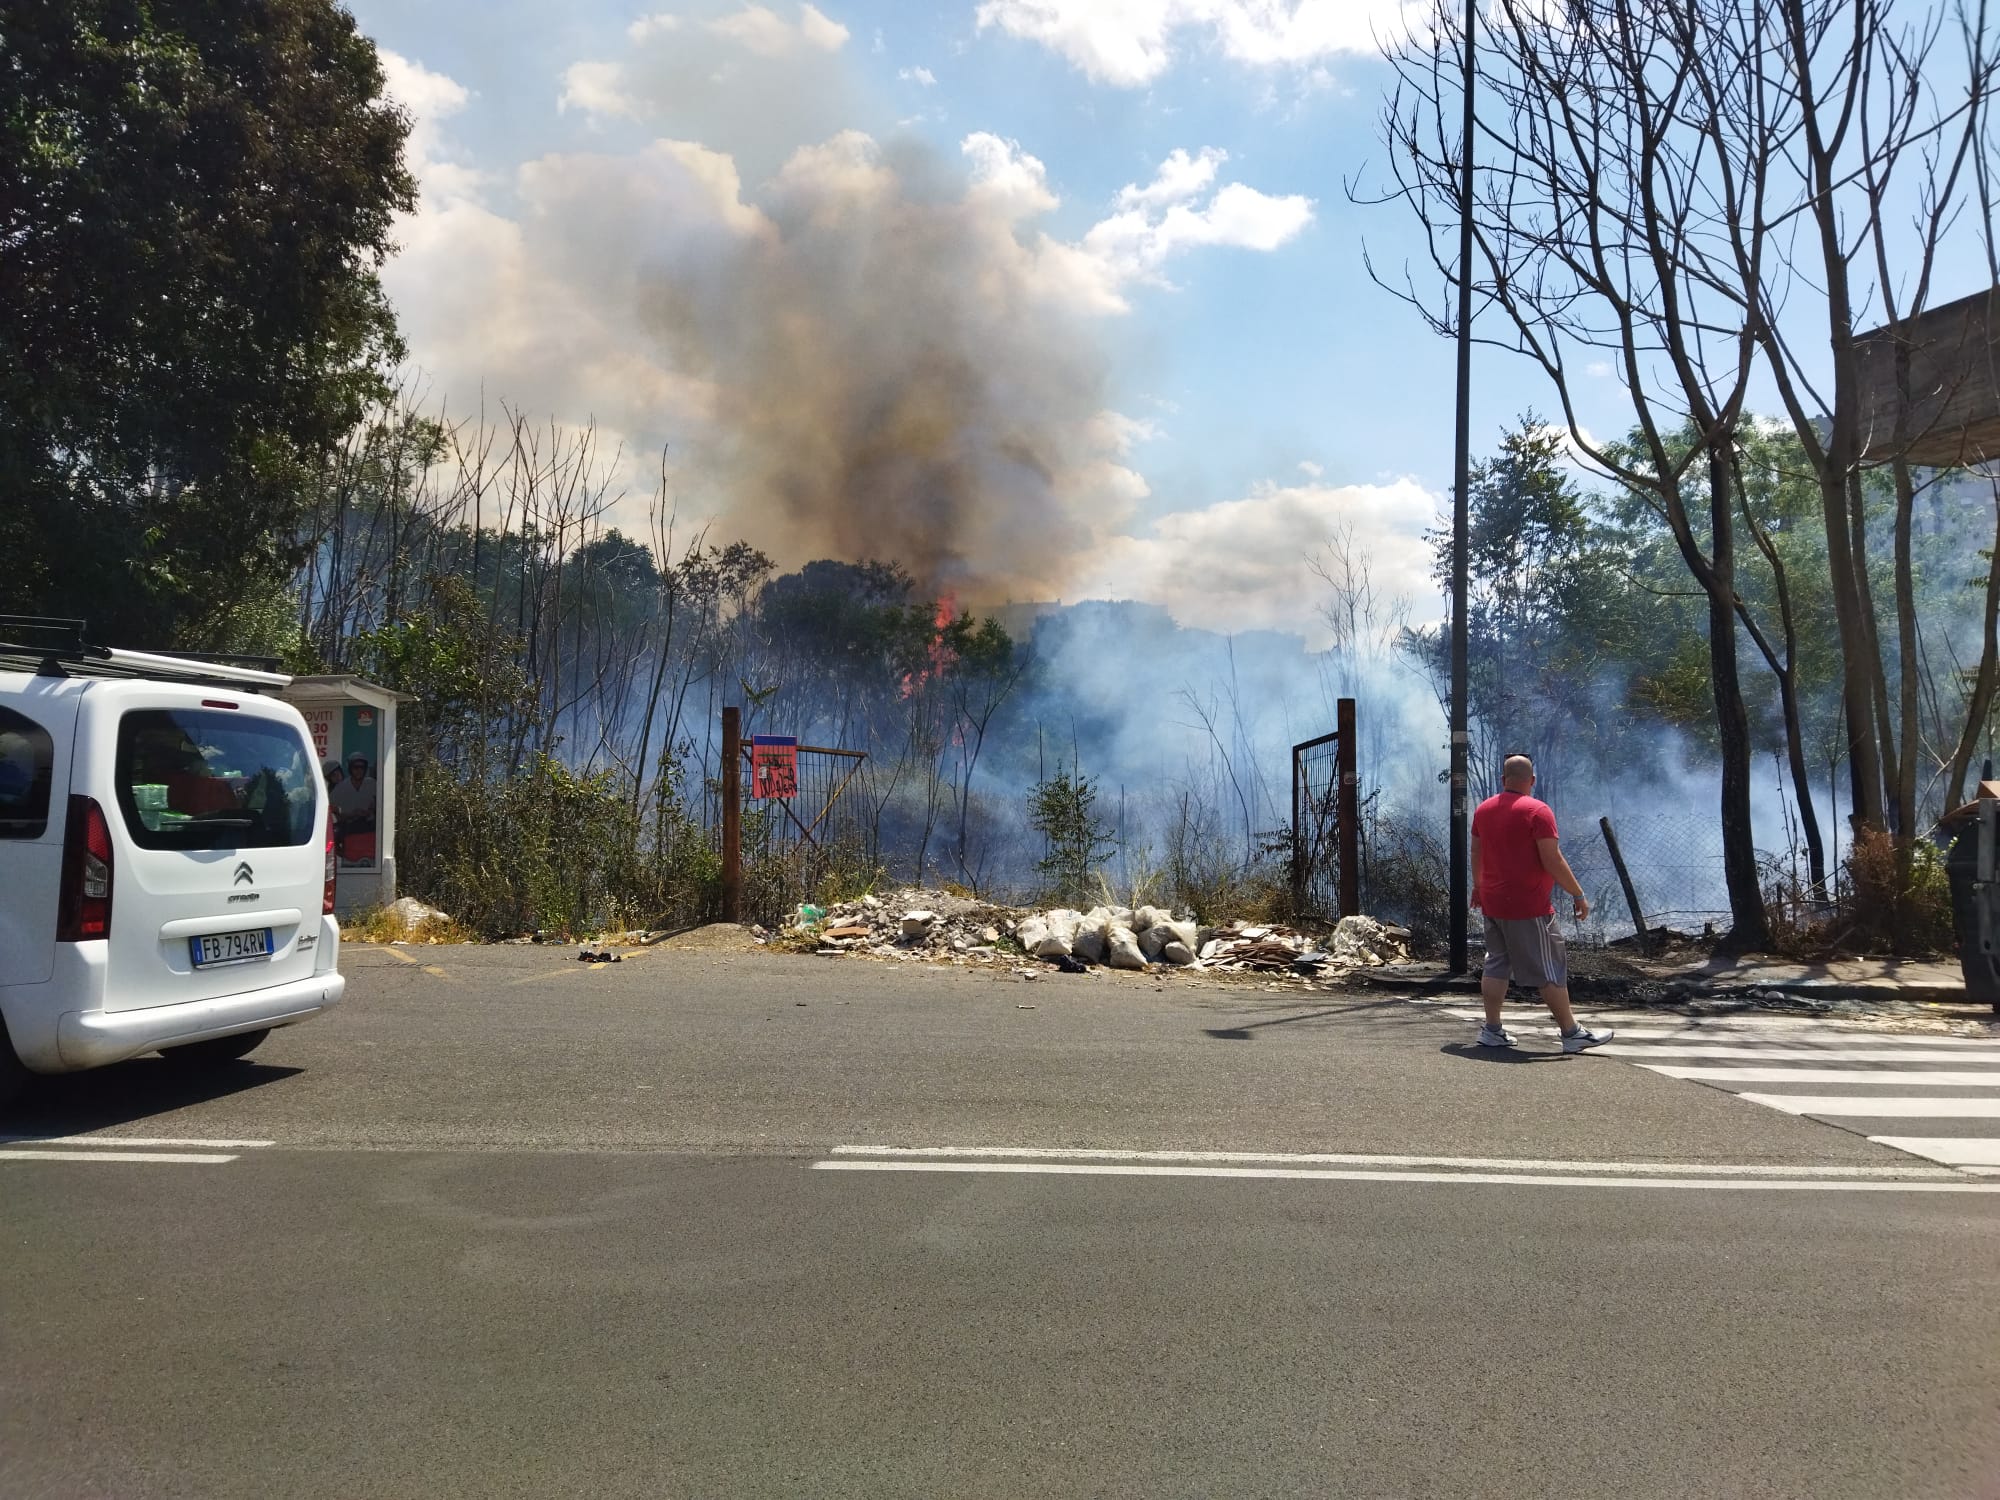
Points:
[939,653]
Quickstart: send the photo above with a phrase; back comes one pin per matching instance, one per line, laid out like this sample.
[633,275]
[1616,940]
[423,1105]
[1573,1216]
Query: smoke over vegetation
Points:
[849,344]
[889,375]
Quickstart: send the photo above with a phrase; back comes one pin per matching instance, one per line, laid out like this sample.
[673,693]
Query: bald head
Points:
[1518,773]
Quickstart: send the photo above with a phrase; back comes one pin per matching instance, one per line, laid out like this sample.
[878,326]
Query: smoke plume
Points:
[893,373]
[853,344]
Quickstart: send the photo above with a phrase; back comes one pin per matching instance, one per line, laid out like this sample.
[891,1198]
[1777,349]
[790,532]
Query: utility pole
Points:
[732,815]
[1461,739]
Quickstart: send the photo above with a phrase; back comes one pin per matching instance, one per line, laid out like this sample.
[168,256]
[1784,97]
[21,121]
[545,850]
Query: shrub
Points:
[1063,810]
[1896,905]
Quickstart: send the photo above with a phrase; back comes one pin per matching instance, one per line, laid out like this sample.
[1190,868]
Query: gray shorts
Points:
[1527,950]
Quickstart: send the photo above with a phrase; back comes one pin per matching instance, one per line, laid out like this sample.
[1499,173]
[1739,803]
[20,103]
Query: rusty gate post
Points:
[732,815]
[1350,814]
[1298,836]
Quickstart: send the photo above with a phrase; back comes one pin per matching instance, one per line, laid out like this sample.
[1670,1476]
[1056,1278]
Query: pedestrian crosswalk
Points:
[1941,1092]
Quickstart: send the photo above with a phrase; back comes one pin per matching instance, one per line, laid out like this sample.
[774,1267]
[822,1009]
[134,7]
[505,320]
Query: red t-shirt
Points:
[1512,883]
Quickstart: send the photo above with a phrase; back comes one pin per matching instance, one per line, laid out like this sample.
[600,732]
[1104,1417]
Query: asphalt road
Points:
[524,1228]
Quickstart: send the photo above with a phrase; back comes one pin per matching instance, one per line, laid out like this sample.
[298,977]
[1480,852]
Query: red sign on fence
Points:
[774,766]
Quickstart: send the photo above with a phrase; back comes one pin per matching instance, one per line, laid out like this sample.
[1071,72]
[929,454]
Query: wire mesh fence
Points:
[826,828]
[1676,867]
[1675,861]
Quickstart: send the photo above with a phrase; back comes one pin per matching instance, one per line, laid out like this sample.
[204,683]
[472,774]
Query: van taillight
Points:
[326,901]
[84,912]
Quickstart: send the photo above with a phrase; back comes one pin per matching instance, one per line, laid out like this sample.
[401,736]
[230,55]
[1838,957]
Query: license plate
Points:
[230,947]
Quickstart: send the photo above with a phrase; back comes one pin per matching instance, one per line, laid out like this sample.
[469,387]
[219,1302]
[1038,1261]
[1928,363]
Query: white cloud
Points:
[923,77]
[431,98]
[1007,176]
[647,27]
[598,88]
[761,31]
[1180,178]
[1128,43]
[1246,564]
[1156,222]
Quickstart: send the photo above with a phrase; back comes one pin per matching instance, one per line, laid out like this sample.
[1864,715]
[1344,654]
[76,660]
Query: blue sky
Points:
[1253,392]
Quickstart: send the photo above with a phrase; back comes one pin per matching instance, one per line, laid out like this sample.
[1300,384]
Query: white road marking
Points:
[128,1141]
[163,1158]
[1796,1052]
[1904,1077]
[1326,1174]
[1970,1151]
[1351,1159]
[1645,1026]
[1859,1106]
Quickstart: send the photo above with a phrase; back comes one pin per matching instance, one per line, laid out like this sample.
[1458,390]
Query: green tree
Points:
[1554,629]
[1063,810]
[195,198]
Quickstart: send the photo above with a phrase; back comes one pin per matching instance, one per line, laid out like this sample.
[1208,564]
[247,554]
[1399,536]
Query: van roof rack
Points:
[55,647]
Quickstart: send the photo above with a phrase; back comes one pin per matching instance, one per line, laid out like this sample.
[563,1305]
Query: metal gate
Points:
[825,815]
[1326,818]
[825,807]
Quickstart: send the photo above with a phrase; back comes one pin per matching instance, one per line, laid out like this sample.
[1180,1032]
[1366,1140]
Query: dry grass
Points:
[378,924]
[1884,907]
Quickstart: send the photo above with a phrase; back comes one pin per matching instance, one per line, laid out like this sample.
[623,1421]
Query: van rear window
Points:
[205,779]
[27,761]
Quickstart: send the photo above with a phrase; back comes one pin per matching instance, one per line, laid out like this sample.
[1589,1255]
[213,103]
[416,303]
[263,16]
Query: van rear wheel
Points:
[14,1075]
[216,1050]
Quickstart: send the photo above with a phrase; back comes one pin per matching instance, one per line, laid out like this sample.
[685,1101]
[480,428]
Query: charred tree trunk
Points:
[1906,675]
[1751,930]
[1787,673]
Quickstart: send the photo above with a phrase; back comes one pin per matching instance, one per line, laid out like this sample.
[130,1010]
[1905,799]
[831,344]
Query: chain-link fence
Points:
[1676,867]
[1675,862]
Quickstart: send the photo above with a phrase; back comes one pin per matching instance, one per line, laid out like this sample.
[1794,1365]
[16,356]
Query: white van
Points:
[166,862]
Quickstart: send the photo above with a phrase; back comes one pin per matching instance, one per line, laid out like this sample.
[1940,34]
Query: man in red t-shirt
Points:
[1516,865]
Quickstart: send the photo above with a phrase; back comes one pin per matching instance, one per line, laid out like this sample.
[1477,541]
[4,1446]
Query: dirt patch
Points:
[716,937]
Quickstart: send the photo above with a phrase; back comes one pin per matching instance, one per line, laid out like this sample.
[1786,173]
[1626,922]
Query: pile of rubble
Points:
[912,924]
[1356,943]
[907,924]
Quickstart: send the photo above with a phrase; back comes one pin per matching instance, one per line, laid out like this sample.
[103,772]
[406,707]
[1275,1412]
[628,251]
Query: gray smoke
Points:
[890,375]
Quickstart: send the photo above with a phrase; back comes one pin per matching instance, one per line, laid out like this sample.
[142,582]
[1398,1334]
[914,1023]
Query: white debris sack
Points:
[410,912]
[1063,924]
[1122,945]
[1091,944]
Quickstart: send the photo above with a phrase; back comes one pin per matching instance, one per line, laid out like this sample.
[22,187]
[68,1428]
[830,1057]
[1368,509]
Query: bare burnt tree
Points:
[1985,679]
[1890,157]
[1623,152]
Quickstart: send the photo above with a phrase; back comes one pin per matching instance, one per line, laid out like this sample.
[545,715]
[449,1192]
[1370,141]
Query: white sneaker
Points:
[1495,1036]
[1583,1037]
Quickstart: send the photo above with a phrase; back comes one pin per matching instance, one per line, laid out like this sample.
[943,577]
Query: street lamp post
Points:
[1461,741]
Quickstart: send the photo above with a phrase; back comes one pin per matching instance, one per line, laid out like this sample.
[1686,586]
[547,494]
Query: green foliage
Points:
[194,199]
[1063,810]
[1553,621]
[512,854]
[467,687]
